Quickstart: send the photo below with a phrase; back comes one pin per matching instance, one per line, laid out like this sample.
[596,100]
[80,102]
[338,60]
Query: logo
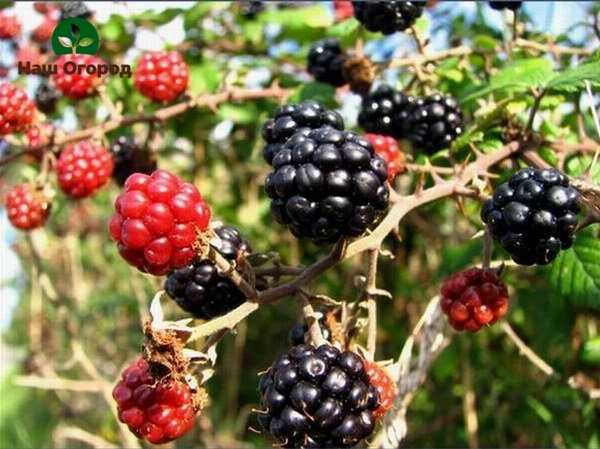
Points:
[75,36]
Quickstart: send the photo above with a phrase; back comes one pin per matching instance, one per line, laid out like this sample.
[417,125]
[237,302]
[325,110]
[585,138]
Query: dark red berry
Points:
[10,27]
[157,222]
[27,206]
[161,76]
[473,298]
[81,83]
[156,410]
[83,168]
[43,32]
[16,109]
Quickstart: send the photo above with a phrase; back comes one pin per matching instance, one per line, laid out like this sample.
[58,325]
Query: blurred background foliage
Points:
[73,286]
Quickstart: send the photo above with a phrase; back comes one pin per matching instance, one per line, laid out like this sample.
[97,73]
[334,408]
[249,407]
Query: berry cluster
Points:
[10,27]
[199,289]
[157,221]
[387,16]
[16,109]
[430,123]
[46,97]
[533,215]
[325,60]
[158,411]
[80,84]
[318,397]
[327,184]
[83,167]
[161,76]
[292,118]
[386,388]
[27,207]
[473,298]
[387,148]
[129,158]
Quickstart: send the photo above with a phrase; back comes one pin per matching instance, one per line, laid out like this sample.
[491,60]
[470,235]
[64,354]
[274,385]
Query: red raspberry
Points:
[77,85]
[473,298]
[343,10]
[157,221]
[10,27]
[161,76]
[28,54]
[387,147]
[16,109]
[83,167]
[27,206]
[43,32]
[157,411]
[385,386]
[38,135]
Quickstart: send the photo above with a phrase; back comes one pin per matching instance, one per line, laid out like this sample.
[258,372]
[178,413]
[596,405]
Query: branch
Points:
[527,351]
[59,383]
[202,100]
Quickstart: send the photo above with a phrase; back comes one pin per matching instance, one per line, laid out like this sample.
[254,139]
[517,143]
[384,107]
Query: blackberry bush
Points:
[533,215]
[327,184]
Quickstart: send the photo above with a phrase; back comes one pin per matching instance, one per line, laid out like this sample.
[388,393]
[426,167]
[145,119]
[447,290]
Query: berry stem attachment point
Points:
[314,329]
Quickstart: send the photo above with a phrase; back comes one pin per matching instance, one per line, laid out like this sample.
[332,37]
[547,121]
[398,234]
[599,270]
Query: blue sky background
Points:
[554,17]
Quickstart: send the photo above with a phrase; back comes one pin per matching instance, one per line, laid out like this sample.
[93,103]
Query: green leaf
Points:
[575,273]
[321,92]
[572,80]
[540,409]
[86,42]
[590,353]
[311,17]
[204,77]
[239,114]
[522,75]
[152,19]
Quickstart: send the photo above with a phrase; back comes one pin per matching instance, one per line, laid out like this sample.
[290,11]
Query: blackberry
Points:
[297,335]
[199,289]
[46,97]
[129,158]
[318,397]
[72,10]
[498,6]
[327,184]
[533,215]
[434,122]
[290,118]
[249,9]
[325,60]
[387,16]
[385,112]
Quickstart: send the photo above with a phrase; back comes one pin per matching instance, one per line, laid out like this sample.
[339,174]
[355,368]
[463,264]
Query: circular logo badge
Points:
[75,36]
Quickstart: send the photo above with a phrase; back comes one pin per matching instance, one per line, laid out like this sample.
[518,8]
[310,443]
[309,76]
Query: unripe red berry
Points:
[157,222]
[161,76]
[27,206]
[16,109]
[83,167]
[43,32]
[473,298]
[82,83]
[385,386]
[10,27]
[387,147]
[155,410]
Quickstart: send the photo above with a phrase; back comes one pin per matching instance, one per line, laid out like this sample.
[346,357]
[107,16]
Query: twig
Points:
[488,246]
[314,329]
[527,351]
[75,433]
[538,95]
[59,383]
[370,286]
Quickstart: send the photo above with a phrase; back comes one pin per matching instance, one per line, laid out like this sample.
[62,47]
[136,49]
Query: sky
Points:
[555,17]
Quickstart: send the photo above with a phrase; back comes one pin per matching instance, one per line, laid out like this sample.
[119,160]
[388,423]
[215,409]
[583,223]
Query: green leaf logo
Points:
[75,36]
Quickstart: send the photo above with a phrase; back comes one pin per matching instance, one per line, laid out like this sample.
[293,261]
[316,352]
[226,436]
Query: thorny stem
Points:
[203,100]
[314,329]
[538,95]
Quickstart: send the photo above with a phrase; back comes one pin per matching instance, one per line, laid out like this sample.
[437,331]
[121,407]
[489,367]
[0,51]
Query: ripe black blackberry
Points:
[129,158]
[498,6]
[327,184]
[318,397]
[385,111]
[434,122]
[46,97]
[249,9]
[297,335]
[533,215]
[325,60]
[290,118]
[199,289]
[387,16]
[71,10]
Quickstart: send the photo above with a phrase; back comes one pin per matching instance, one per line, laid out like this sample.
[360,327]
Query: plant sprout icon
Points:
[74,43]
